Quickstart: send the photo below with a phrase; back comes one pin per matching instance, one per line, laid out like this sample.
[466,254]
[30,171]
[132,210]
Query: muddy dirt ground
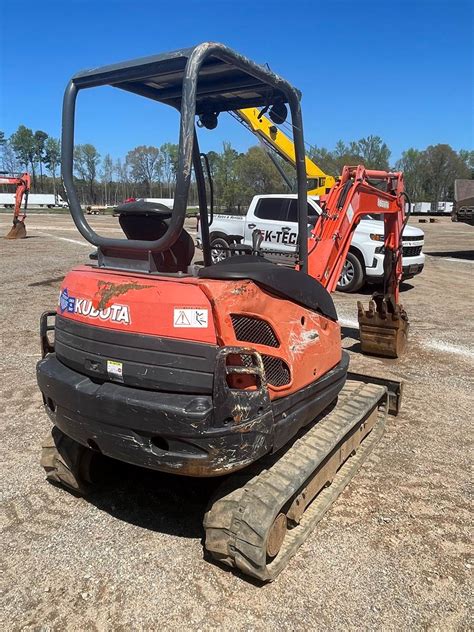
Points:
[393,553]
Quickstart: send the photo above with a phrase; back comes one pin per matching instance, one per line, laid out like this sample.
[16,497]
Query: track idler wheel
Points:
[17,231]
[276,535]
[383,327]
[68,463]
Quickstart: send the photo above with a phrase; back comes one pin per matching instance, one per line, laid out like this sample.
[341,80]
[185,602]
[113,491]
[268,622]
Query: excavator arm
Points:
[23,184]
[273,137]
[384,326]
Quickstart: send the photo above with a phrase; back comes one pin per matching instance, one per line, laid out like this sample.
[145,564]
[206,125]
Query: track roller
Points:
[257,524]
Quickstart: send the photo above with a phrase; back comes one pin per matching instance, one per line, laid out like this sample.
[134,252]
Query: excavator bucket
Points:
[383,327]
[17,231]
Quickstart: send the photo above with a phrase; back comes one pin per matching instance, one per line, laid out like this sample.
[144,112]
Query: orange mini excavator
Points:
[22,182]
[216,369]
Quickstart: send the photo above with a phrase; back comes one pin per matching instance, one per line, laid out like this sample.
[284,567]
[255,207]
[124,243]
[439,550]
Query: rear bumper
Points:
[193,435]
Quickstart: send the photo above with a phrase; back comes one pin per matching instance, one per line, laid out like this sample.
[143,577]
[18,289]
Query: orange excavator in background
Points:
[23,185]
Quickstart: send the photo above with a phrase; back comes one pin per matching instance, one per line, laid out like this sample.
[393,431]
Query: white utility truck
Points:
[275,217]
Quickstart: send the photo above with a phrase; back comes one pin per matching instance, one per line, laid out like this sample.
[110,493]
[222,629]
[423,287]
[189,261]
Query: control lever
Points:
[257,238]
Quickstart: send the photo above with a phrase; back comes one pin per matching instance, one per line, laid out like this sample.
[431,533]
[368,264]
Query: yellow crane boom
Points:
[319,182]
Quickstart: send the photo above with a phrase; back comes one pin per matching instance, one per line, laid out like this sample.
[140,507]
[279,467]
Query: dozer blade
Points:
[17,231]
[383,328]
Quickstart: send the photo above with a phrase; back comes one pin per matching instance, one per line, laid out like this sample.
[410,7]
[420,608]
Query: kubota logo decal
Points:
[115,313]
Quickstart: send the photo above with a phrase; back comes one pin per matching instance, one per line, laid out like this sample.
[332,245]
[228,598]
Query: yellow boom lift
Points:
[319,183]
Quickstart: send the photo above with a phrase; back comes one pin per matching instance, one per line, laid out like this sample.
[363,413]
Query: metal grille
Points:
[414,238]
[411,251]
[249,329]
[277,371]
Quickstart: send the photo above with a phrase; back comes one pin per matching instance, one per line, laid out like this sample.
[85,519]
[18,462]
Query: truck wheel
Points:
[67,462]
[218,249]
[352,276]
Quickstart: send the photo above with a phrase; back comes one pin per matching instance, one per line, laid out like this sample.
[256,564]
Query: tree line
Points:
[149,171]
[429,173]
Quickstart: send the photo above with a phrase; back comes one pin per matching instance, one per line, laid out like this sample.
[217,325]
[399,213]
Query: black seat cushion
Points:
[288,283]
[152,226]
[140,207]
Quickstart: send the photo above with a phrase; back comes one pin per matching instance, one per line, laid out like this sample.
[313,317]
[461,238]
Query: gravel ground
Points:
[393,553]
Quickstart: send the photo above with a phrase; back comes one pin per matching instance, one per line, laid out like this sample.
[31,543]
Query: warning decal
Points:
[186,317]
[115,370]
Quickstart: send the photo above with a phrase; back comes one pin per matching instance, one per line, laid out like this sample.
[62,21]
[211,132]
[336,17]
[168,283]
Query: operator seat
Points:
[150,221]
[288,283]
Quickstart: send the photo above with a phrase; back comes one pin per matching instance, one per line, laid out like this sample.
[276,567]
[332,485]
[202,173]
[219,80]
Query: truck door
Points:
[269,217]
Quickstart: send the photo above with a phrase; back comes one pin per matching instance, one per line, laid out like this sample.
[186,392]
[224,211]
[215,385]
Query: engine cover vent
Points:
[277,371]
[256,330]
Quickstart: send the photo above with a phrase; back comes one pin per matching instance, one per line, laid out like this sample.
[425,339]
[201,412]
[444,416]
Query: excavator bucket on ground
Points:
[383,328]
[17,231]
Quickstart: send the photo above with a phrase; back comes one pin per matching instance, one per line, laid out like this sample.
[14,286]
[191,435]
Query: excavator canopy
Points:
[227,80]
[200,81]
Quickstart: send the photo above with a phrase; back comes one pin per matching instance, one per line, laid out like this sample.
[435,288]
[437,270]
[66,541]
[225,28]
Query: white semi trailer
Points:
[48,200]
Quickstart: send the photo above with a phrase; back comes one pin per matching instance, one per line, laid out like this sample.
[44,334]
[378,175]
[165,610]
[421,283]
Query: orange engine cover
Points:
[134,303]
[301,346]
[308,344]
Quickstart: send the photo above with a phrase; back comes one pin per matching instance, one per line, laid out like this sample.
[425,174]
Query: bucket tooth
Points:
[383,328]
[17,231]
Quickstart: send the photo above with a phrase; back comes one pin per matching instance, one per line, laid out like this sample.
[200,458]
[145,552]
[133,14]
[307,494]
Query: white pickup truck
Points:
[276,217]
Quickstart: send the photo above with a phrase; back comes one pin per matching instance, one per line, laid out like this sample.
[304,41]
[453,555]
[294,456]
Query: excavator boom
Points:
[358,192]
[384,326]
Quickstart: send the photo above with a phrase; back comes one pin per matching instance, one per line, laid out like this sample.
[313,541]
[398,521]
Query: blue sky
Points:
[399,69]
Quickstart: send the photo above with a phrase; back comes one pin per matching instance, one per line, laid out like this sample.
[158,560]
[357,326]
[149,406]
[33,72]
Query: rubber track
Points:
[238,522]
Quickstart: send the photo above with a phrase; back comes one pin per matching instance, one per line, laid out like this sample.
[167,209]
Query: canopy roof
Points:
[227,80]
